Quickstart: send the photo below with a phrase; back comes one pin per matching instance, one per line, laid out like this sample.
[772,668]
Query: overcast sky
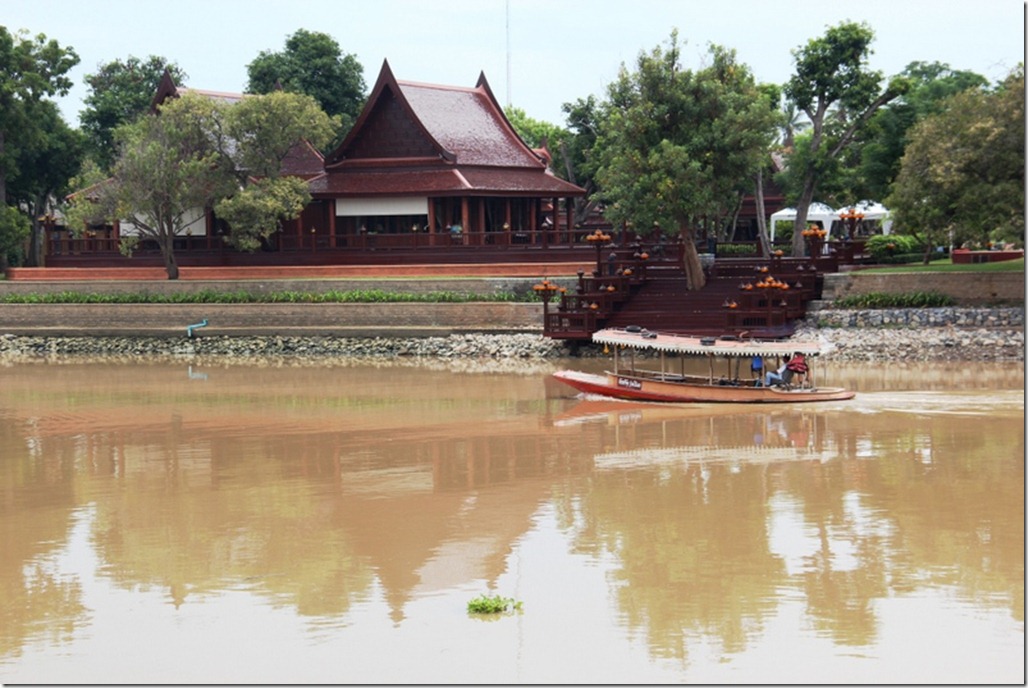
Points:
[555,51]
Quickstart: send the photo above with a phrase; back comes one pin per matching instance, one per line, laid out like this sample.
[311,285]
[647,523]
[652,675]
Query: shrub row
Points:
[886,300]
[208,296]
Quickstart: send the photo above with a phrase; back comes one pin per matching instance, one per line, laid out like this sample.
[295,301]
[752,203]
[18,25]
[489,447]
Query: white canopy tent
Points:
[873,210]
[818,212]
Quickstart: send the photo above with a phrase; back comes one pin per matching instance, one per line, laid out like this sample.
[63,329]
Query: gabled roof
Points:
[167,88]
[418,138]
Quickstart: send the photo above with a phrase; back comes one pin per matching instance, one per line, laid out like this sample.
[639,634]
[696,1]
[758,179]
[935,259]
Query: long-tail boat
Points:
[644,381]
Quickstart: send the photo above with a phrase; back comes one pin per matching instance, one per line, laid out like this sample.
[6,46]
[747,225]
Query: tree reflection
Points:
[37,501]
[320,500]
[693,552]
[887,503]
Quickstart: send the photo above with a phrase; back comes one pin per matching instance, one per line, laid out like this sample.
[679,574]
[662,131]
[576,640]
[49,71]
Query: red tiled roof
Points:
[458,139]
[520,181]
[442,182]
[399,182]
[466,123]
[303,161]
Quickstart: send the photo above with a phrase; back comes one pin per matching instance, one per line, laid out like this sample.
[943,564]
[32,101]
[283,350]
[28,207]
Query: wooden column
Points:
[431,222]
[480,230]
[465,216]
[569,209]
[533,218]
[331,205]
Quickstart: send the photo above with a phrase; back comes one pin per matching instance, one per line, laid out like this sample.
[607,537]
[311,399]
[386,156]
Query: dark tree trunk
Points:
[765,243]
[694,277]
[168,254]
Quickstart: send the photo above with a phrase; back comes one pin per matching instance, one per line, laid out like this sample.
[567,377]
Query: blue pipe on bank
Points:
[190,328]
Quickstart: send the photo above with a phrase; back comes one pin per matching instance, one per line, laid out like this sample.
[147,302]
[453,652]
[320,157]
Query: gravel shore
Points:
[964,334]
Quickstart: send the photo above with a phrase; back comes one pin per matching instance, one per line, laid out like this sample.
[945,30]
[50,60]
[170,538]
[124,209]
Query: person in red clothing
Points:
[797,366]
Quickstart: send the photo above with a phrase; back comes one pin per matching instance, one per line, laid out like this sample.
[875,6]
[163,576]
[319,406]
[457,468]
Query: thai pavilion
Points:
[424,166]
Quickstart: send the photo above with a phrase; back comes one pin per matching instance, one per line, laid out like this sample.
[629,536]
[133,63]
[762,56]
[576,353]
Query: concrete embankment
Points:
[490,329]
[1002,339]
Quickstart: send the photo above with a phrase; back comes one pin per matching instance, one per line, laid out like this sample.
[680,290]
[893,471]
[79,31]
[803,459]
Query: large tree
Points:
[120,91]
[265,130]
[197,153]
[31,70]
[566,147]
[962,175]
[44,166]
[170,167]
[675,146]
[886,136]
[314,64]
[838,93]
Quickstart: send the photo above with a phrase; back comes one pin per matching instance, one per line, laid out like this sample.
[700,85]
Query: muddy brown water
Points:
[181,523]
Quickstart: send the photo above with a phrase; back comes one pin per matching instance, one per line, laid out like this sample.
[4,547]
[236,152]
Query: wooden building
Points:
[424,167]
[442,162]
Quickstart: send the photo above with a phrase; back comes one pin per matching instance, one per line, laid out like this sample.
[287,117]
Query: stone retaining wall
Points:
[365,319]
[968,289]
[1009,318]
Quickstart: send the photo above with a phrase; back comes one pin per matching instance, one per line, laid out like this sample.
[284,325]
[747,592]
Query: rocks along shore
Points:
[985,335]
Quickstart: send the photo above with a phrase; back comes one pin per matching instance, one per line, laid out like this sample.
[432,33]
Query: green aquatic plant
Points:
[492,604]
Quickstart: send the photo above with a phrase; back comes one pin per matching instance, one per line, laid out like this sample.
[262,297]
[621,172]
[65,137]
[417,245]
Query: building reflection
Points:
[318,493]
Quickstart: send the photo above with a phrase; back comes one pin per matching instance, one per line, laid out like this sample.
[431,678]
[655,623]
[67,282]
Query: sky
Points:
[535,54]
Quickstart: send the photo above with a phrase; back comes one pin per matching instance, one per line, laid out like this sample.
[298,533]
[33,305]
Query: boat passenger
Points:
[756,367]
[777,377]
[797,365]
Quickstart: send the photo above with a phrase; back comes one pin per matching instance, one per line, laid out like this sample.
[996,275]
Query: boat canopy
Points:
[702,346]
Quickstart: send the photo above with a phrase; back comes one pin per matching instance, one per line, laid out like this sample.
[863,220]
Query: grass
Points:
[947,265]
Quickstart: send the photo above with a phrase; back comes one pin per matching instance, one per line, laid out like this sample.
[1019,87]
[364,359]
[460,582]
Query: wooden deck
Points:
[738,298]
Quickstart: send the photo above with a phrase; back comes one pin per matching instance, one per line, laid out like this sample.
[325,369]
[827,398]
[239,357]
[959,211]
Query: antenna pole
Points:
[508,53]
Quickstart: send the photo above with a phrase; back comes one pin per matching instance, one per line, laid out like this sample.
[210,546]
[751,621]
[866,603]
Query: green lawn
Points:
[948,266]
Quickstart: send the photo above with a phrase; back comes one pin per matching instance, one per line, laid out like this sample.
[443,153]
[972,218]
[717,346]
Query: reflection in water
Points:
[355,494]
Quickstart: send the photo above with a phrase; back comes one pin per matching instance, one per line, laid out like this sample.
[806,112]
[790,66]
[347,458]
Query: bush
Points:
[881,247]
[884,300]
[746,249]
[209,296]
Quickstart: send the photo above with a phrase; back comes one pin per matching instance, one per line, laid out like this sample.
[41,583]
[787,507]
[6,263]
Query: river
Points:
[328,523]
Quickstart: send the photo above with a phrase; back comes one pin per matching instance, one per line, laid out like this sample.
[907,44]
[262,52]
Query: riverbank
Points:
[862,343]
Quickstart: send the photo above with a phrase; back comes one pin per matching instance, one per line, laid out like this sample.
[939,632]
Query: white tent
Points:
[873,210]
[818,212]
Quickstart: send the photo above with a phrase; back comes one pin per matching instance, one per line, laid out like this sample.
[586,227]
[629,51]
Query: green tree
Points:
[575,149]
[43,168]
[14,230]
[170,168]
[314,64]
[265,130]
[676,146]
[962,175]
[536,133]
[837,92]
[31,70]
[196,154]
[566,148]
[119,92]
[793,123]
[886,134]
